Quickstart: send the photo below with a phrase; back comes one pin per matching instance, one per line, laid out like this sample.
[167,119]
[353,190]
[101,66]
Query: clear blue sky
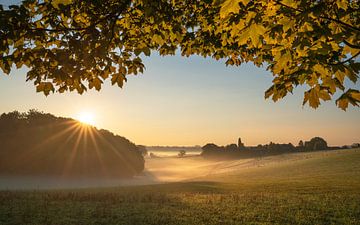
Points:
[189,101]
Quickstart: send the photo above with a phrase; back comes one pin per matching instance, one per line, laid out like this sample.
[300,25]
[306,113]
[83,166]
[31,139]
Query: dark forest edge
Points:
[240,151]
[40,144]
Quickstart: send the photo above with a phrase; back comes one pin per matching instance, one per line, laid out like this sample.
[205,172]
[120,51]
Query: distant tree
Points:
[316,143]
[231,147]
[301,144]
[210,146]
[355,145]
[271,146]
[182,153]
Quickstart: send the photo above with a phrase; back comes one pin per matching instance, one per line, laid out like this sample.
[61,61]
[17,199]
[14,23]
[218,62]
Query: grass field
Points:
[301,188]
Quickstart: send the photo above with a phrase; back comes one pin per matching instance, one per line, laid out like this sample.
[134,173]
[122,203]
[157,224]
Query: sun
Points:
[86,118]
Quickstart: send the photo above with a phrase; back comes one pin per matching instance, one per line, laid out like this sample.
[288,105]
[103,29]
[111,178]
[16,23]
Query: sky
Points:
[191,101]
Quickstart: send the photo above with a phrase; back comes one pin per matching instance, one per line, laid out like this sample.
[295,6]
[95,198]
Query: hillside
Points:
[301,188]
[39,144]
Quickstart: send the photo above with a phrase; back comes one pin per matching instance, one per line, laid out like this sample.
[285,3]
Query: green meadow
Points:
[300,188]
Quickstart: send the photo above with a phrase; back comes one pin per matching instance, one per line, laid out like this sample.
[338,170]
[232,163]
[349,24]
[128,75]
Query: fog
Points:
[158,170]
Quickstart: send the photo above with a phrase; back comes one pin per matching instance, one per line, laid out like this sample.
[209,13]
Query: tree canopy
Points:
[74,45]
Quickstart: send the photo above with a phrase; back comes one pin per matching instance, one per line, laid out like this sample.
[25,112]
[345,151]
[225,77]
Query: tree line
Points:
[211,150]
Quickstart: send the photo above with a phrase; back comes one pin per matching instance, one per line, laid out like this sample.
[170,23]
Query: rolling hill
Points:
[301,188]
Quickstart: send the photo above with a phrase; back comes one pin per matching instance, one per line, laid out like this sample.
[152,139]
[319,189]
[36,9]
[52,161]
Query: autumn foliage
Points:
[74,45]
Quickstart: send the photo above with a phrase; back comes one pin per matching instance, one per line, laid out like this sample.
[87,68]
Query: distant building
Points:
[240,144]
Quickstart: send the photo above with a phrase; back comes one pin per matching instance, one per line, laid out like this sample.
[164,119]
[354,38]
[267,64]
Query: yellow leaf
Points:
[356,95]
[255,31]
[324,95]
[243,37]
[230,6]
[306,27]
[314,98]
[117,79]
[271,9]
[45,87]
[56,3]
[342,4]
[96,82]
[287,23]
[340,76]
[321,70]
[291,3]
[343,103]
[158,39]
[352,51]
[301,52]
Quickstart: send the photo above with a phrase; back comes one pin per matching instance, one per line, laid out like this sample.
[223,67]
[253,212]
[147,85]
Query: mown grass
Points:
[321,189]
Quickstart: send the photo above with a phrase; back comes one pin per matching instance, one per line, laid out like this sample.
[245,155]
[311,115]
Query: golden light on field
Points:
[86,118]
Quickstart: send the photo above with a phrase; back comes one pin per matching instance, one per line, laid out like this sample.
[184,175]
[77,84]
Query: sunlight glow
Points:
[86,118]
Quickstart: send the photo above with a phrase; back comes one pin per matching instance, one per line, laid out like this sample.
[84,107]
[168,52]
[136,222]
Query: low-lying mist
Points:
[157,170]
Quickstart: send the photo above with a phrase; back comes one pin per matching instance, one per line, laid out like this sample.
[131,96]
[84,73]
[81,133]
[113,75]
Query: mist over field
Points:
[166,169]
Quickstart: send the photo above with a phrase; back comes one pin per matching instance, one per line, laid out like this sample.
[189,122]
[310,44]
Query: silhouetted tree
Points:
[182,153]
[231,147]
[355,145]
[301,144]
[316,143]
[210,146]
[38,143]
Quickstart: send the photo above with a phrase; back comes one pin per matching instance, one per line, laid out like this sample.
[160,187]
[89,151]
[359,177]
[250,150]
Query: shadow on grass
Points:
[151,204]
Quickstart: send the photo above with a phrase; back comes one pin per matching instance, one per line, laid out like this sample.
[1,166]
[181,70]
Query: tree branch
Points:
[343,62]
[323,17]
[351,45]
